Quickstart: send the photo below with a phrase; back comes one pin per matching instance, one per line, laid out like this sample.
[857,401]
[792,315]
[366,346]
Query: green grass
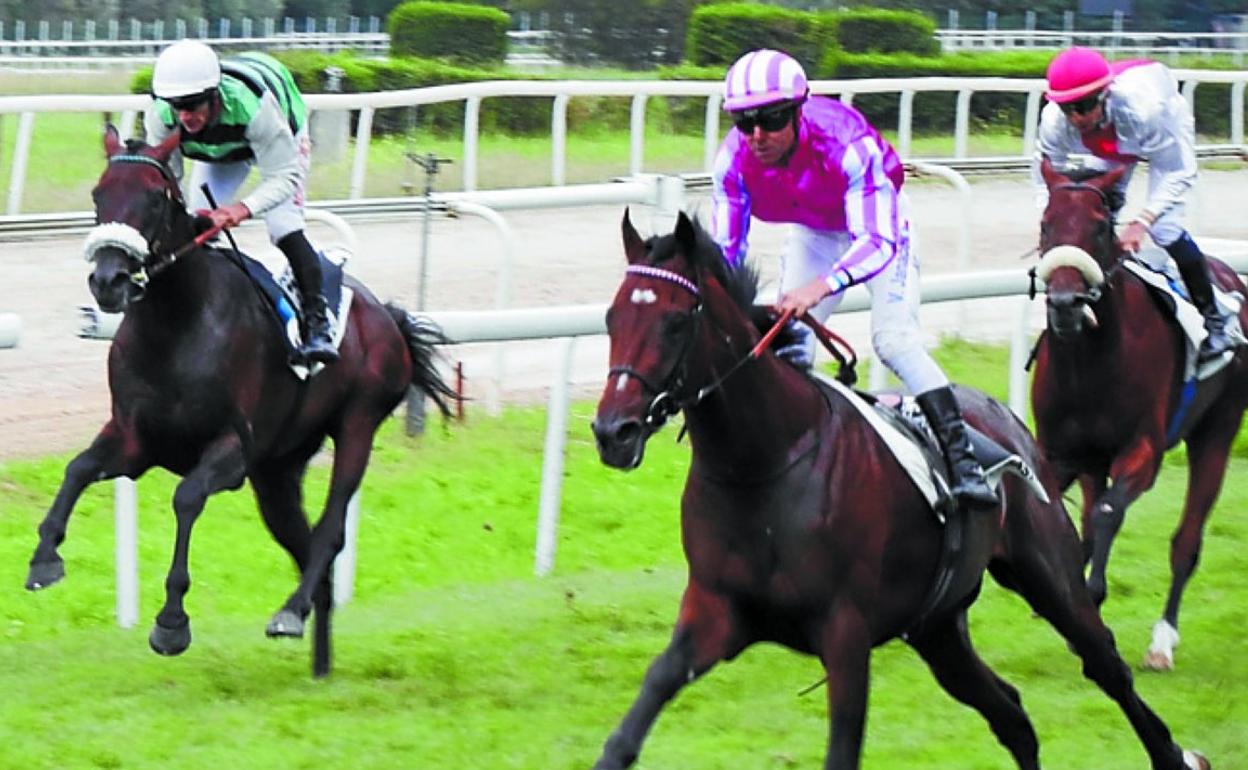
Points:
[453,656]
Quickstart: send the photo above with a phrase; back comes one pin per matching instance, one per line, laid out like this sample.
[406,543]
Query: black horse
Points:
[801,527]
[201,386]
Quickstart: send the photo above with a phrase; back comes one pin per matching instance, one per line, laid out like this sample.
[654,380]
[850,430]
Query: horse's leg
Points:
[1131,474]
[1091,487]
[705,634]
[222,466]
[104,459]
[845,649]
[1207,450]
[352,448]
[1044,569]
[946,647]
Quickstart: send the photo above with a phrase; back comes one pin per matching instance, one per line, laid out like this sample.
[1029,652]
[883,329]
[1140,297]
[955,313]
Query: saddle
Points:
[280,295]
[902,426]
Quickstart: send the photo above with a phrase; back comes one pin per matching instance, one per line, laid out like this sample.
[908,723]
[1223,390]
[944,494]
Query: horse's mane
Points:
[740,281]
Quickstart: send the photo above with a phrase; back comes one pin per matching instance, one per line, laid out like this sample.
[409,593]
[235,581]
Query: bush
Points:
[472,34]
[638,34]
[864,30]
[719,34]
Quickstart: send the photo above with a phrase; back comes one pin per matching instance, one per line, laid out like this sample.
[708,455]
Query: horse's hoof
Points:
[1194,760]
[1158,661]
[170,641]
[285,623]
[44,573]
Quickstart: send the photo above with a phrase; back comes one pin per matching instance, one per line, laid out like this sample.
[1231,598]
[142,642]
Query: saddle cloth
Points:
[283,300]
[1160,273]
[901,425]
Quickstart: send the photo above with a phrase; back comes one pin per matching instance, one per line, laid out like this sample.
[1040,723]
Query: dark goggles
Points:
[766,118]
[189,103]
[1084,105]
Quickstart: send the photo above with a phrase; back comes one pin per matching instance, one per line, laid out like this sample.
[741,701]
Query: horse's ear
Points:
[112,140]
[162,151]
[1106,181]
[686,235]
[1051,176]
[634,246]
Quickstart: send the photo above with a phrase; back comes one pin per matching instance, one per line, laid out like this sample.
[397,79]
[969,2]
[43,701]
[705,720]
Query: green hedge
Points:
[863,30]
[460,32]
[720,34]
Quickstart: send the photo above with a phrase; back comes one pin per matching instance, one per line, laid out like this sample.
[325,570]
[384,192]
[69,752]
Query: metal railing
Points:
[561,92]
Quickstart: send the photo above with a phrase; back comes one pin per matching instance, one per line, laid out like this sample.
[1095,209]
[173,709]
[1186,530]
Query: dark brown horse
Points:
[1109,395]
[201,386]
[800,526]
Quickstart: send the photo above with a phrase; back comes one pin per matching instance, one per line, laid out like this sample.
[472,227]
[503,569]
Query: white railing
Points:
[1119,44]
[560,92]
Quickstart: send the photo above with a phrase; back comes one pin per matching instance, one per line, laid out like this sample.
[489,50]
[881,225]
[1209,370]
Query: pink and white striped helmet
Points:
[761,78]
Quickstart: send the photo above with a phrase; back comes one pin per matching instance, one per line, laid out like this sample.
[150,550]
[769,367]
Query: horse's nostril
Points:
[628,432]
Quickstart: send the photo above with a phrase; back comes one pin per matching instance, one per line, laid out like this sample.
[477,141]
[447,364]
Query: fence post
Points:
[126,550]
[559,139]
[637,134]
[552,465]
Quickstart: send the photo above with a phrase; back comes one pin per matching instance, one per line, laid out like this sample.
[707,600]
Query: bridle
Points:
[1105,244]
[666,402]
[157,256]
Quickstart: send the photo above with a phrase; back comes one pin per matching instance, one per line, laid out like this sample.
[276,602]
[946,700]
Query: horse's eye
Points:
[676,325]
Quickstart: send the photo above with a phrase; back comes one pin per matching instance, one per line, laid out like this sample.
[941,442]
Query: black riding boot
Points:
[1195,272]
[318,345]
[969,486]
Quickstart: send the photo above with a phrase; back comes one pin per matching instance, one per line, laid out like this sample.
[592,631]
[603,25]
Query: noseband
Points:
[665,402]
[150,251]
[1105,245]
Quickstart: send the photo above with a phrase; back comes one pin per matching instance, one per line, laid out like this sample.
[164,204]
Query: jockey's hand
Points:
[804,297]
[229,215]
[1132,236]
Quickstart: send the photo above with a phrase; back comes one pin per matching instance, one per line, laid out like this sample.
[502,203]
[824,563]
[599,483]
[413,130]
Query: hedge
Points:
[720,34]
[864,30]
[473,34]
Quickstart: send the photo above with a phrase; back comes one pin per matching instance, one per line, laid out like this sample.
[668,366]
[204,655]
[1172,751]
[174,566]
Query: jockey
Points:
[818,164]
[1123,113]
[233,115]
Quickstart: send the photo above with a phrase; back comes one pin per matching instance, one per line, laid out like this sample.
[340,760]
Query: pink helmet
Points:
[761,78]
[1076,73]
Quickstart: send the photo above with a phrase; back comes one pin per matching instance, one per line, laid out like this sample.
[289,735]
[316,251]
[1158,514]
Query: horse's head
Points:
[1078,247]
[140,219]
[655,322]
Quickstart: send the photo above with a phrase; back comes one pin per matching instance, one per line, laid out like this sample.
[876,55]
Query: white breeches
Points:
[225,179]
[895,333]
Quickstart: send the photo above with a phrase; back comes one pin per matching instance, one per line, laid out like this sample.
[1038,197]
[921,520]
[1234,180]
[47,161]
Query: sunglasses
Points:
[1084,105]
[774,119]
[188,103]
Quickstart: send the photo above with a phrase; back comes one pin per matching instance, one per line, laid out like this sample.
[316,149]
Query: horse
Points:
[1096,425]
[200,385]
[801,528]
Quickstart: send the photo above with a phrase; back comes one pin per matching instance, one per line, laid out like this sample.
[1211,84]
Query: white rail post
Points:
[10,330]
[1030,120]
[502,294]
[636,134]
[552,465]
[905,120]
[559,140]
[710,132]
[1018,360]
[359,167]
[126,553]
[472,123]
[21,156]
[1237,112]
[962,122]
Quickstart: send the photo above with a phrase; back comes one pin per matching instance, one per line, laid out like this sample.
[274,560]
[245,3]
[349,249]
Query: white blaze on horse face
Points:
[644,297]
[623,381]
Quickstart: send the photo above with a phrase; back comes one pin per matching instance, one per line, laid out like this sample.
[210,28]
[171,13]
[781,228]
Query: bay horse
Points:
[801,528]
[1107,429]
[201,386]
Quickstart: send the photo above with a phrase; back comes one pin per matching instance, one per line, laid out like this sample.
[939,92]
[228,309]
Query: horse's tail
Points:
[421,335]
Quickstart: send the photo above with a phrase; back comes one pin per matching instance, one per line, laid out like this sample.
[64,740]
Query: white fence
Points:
[560,92]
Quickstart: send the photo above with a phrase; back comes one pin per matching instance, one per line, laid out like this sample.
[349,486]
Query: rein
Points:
[665,403]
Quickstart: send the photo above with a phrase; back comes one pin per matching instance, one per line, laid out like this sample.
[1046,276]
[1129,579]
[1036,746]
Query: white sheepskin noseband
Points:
[1070,256]
[118,236]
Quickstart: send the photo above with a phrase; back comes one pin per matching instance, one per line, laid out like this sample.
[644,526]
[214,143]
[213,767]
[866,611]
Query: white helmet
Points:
[186,68]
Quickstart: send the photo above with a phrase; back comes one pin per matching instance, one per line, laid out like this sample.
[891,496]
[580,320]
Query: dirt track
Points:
[53,391]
